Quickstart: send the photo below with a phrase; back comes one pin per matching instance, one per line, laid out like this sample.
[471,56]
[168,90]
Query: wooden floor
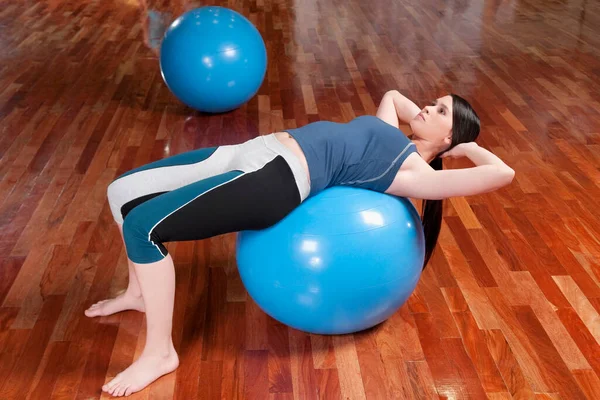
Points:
[509,308]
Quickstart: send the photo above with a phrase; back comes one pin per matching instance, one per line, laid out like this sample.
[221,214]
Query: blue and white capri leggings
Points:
[204,193]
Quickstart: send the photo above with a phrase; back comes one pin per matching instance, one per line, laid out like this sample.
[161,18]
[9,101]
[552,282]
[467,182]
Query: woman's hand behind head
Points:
[460,150]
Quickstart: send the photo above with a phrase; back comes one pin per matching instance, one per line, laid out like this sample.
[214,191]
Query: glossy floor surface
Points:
[509,308]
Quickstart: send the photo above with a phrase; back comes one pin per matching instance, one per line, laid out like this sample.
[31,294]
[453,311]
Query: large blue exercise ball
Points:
[213,59]
[343,261]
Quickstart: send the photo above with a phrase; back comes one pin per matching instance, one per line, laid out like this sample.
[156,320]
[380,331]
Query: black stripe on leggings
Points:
[255,200]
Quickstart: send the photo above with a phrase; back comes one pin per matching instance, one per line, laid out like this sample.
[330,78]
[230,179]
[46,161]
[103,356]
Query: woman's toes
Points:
[128,391]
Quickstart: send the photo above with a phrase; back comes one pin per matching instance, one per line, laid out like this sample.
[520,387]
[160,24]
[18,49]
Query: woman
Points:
[207,192]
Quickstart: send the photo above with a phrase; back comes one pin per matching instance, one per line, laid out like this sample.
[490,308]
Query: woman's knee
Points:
[114,194]
[140,239]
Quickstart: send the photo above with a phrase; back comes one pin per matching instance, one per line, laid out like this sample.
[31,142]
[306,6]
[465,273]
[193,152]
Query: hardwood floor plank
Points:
[514,378]
[588,382]
[28,362]
[280,375]
[580,304]
[376,382]
[304,381]
[478,352]
[256,380]
[348,369]
[51,371]
[555,371]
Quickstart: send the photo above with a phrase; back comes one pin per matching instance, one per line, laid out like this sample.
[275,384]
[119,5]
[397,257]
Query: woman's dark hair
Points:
[465,128]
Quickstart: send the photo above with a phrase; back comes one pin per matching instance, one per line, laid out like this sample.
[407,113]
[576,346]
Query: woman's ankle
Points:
[133,292]
[163,350]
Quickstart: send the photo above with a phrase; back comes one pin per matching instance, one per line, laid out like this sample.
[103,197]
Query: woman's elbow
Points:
[507,174]
[392,94]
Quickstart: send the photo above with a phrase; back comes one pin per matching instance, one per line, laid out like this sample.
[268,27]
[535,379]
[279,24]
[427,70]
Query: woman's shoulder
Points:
[413,162]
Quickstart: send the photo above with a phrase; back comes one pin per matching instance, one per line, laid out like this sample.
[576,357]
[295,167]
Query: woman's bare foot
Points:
[125,301]
[145,370]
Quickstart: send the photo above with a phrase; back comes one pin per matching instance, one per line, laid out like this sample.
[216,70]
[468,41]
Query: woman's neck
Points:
[425,149]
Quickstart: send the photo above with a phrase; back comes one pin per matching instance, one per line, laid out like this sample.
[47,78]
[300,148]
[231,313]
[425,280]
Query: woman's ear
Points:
[448,139]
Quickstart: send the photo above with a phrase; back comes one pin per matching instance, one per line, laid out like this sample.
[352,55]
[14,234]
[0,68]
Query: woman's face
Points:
[434,123]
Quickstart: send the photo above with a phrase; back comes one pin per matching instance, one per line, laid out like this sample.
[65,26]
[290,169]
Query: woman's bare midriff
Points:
[288,141]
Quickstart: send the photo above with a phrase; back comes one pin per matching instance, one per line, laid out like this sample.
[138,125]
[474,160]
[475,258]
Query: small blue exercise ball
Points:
[343,261]
[213,59]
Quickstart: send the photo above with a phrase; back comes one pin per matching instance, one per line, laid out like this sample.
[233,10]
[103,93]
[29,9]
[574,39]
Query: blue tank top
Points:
[365,152]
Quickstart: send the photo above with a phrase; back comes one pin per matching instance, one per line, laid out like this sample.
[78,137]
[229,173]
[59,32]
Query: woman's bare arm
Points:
[417,179]
[395,108]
